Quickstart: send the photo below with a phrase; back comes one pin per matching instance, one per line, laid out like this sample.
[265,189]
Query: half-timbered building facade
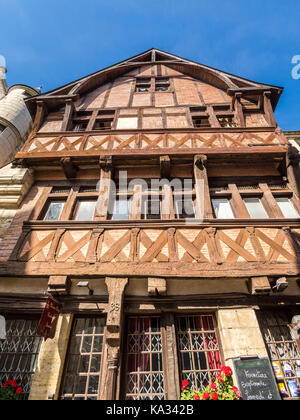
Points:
[164,219]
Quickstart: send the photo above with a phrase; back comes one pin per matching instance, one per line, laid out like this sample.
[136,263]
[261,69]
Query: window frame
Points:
[170,354]
[85,317]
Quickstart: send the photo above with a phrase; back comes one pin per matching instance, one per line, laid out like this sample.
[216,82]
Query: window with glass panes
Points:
[83,365]
[198,356]
[19,352]
[284,350]
[198,349]
[144,361]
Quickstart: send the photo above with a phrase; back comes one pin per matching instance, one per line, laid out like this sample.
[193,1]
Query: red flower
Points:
[236,391]
[19,390]
[9,382]
[226,370]
[197,397]
[185,383]
[205,395]
[14,384]
[214,396]
[4,384]
[213,386]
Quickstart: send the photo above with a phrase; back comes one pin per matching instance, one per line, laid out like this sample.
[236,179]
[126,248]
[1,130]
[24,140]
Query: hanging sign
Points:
[49,318]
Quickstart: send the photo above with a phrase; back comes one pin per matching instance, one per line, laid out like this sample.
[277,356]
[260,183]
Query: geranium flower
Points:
[226,370]
[185,383]
[19,390]
[214,396]
[206,396]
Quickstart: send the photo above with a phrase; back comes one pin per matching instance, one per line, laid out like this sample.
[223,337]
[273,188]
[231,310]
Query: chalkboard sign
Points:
[256,379]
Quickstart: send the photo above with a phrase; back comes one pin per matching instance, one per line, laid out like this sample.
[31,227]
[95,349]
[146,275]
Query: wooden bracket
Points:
[165,167]
[106,163]
[59,285]
[157,287]
[70,170]
[259,286]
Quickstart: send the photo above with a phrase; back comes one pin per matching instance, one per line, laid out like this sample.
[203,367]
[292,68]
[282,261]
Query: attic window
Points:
[226,121]
[162,84]
[2,128]
[143,85]
[80,126]
[201,122]
[104,120]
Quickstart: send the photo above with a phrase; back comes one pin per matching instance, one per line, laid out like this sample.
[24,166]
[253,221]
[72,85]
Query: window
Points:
[121,209]
[162,84]
[151,206]
[201,122]
[2,127]
[54,210]
[283,351]
[184,206]
[85,210]
[255,208]
[199,356]
[143,85]
[103,124]
[144,361]
[80,126]
[222,209]
[198,348]
[19,352]
[104,120]
[226,121]
[83,365]
[287,207]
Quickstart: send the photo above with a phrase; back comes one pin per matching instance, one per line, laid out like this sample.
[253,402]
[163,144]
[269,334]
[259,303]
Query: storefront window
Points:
[19,352]
[283,351]
[198,357]
[145,376]
[198,349]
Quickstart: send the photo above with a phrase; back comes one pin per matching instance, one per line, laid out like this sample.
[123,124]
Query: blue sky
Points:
[51,43]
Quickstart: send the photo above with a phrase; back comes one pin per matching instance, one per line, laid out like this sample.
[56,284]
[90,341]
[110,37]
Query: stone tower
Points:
[15,125]
[15,120]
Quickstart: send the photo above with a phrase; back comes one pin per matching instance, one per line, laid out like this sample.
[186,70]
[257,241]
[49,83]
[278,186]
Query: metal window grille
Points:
[19,352]
[144,362]
[83,365]
[198,349]
[283,351]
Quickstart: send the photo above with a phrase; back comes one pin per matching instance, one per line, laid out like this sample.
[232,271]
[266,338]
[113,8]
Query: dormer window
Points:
[226,121]
[201,122]
[162,84]
[143,85]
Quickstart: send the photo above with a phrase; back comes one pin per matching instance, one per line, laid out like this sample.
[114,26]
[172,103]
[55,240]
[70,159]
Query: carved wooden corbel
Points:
[70,170]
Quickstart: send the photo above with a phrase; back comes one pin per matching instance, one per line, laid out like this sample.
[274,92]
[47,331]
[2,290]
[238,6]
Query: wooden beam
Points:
[165,167]
[67,121]
[239,207]
[270,203]
[239,109]
[203,202]
[269,113]
[106,174]
[114,322]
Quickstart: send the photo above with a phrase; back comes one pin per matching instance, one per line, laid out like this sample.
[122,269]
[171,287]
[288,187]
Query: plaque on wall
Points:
[256,379]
